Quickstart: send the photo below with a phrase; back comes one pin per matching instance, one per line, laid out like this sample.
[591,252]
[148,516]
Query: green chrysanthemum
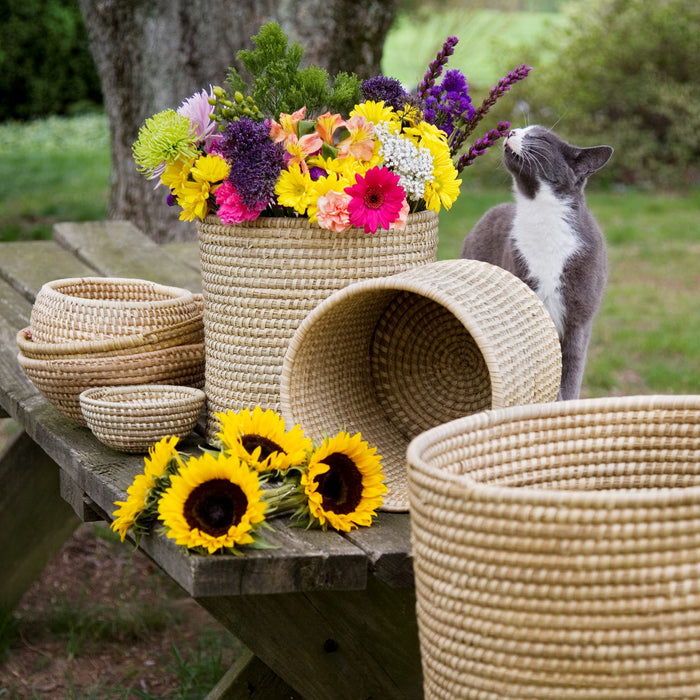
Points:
[165,138]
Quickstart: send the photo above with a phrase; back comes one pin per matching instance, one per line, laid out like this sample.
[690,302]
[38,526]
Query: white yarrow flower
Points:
[413,164]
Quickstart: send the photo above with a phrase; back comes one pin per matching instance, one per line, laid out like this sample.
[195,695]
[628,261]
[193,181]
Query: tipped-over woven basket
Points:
[61,381]
[557,551]
[395,356]
[133,418]
[261,278]
[93,308]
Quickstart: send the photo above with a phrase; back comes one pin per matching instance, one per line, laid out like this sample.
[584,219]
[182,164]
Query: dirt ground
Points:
[103,622]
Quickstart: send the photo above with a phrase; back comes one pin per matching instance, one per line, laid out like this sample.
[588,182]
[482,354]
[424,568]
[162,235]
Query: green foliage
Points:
[624,71]
[45,65]
[279,85]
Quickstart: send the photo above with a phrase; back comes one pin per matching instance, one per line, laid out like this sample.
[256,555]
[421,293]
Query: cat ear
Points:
[588,160]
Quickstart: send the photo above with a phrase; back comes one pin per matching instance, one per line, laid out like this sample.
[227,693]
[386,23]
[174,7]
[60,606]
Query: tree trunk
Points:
[153,54]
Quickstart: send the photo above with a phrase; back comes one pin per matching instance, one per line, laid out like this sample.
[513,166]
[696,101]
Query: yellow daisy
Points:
[375,112]
[213,503]
[292,188]
[160,458]
[443,190]
[260,439]
[344,483]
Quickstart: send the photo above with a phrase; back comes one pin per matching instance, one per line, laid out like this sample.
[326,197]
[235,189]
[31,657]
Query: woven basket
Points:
[94,308]
[395,356]
[557,551]
[61,381]
[261,278]
[133,418]
[184,333]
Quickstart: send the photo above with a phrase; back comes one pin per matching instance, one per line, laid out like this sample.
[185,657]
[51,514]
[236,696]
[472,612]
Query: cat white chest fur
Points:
[544,238]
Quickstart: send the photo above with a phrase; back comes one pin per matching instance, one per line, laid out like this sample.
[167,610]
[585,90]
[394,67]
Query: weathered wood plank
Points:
[350,646]
[187,253]
[119,249]
[35,521]
[29,264]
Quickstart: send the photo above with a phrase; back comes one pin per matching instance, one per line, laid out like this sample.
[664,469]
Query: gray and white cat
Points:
[549,238]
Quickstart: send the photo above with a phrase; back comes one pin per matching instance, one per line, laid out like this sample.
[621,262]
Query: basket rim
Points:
[466,486]
[402,283]
[174,294]
[110,396]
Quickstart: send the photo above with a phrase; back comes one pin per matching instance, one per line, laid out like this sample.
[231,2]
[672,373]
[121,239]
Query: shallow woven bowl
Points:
[61,381]
[94,308]
[133,418]
[395,356]
[557,550]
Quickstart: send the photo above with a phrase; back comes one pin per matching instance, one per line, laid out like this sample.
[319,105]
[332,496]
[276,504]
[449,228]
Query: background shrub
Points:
[625,71]
[45,63]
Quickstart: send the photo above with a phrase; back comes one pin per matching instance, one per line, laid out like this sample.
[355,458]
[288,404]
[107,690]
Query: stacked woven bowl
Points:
[109,332]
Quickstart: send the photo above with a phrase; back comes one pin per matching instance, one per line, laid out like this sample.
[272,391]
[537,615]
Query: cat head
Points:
[535,155]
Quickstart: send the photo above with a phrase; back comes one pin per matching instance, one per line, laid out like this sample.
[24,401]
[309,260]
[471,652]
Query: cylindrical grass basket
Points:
[395,356]
[557,551]
[261,278]
[95,308]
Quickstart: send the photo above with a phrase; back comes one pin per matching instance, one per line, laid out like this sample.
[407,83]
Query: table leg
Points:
[345,645]
[35,521]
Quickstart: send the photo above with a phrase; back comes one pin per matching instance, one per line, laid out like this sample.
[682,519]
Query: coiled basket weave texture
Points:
[261,278]
[557,550]
[395,356]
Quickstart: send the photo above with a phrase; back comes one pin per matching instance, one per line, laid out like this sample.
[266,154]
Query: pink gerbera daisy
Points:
[377,199]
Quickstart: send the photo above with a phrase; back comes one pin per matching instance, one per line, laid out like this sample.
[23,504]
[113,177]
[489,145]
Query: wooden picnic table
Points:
[324,616]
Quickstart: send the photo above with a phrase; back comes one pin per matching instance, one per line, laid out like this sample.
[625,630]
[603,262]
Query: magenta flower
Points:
[377,199]
[232,210]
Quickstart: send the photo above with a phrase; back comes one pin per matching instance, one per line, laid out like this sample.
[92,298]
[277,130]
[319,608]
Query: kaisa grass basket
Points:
[395,356]
[261,278]
[133,418]
[557,551]
[94,308]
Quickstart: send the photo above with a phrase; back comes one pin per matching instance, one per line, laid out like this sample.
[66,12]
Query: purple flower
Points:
[198,110]
[479,147]
[449,103]
[389,90]
[435,68]
[256,161]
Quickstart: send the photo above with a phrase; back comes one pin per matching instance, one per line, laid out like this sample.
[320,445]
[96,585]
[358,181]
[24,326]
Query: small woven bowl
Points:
[394,356]
[556,550]
[133,418]
[94,308]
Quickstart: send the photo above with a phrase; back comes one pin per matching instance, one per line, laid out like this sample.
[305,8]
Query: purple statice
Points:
[479,147]
[449,104]
[256,161]
[389,90]
[435,68]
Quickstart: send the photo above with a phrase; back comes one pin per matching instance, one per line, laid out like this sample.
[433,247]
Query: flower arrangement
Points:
[344,154]
[219,500]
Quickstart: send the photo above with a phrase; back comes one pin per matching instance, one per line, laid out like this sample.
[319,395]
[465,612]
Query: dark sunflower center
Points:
[215,506]
[267,446]
[374,198]
[341,485]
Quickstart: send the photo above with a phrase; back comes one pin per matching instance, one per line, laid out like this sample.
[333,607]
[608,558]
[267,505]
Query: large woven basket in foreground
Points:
[261,278]
[395,356]
[557,551]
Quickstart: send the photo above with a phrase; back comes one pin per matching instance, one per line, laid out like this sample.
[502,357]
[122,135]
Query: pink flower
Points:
[333,211]
[198,110]
[400,223]
[377,199]
[231,208]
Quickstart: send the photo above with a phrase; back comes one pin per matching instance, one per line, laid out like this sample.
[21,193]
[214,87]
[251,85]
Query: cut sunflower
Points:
[260,439]
[138,512]
[213,504]
[344,482]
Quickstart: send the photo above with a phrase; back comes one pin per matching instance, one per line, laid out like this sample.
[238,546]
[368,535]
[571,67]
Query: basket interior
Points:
[109,290]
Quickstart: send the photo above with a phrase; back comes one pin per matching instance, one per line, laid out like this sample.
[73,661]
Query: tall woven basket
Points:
[261,278]
[557,551]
